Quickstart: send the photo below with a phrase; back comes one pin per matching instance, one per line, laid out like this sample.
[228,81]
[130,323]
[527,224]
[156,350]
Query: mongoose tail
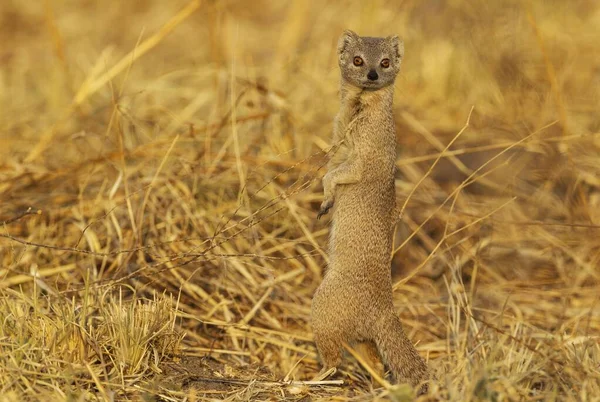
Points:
[398,352]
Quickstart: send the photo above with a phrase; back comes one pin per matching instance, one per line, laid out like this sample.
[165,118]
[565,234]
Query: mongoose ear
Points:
[398,46]
[348,38]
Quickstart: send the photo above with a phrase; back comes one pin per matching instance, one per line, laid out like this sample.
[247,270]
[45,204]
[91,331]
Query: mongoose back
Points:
[354,302]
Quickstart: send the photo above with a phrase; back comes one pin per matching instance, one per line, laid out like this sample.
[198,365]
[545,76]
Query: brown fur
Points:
[354,302]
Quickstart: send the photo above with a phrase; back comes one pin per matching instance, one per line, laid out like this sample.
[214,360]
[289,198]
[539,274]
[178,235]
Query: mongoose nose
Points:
[372,75]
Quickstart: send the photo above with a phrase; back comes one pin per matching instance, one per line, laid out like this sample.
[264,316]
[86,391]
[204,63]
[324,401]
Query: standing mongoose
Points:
[354,302]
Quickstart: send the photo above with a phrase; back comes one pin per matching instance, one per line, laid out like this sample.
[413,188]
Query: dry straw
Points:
[160,169]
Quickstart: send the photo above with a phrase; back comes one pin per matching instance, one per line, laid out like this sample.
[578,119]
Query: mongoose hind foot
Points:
[324,373]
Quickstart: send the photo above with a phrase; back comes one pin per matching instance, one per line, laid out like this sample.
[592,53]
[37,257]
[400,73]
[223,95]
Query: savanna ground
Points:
[171,155]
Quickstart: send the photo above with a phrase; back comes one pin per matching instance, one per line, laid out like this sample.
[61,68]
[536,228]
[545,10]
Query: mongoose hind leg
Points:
[368,351]
[330,351]
[399,353]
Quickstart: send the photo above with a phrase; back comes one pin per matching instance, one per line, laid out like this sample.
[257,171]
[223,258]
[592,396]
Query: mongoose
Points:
[354,302]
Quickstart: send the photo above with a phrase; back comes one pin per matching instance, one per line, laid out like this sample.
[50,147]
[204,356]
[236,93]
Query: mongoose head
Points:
[369,63]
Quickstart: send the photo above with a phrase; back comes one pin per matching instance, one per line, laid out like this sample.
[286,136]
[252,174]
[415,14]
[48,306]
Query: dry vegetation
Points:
[174,151]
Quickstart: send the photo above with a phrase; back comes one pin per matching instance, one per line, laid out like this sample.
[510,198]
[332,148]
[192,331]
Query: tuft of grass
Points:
[60,347]
[160,168]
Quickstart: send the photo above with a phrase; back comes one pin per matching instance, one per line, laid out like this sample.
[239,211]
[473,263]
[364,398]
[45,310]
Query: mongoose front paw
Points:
[325,206]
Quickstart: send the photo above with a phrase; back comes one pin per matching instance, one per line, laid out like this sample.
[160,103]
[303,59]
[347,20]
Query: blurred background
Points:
[176,148]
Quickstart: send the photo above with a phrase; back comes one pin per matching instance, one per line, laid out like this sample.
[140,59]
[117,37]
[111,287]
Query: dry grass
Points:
[175,151]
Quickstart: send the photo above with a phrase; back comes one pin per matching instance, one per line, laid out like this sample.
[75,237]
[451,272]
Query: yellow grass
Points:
[160,166]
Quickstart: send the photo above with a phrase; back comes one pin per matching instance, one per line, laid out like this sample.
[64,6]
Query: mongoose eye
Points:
[385,63]
[358,61]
